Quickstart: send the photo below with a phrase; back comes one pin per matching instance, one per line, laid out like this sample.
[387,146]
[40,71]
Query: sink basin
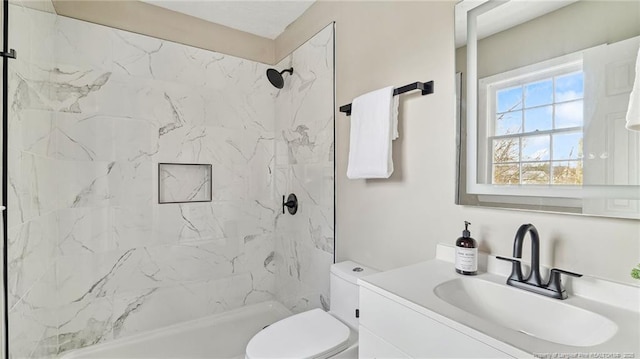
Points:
[548,319]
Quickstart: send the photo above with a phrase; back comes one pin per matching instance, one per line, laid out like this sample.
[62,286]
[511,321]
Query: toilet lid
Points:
[312,334]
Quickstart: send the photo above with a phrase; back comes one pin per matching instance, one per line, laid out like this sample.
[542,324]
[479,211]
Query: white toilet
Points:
[315,333]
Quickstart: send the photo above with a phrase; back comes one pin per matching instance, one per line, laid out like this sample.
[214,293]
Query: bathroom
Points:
[260,150]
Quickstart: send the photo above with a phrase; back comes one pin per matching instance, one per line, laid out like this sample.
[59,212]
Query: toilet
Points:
[316,334]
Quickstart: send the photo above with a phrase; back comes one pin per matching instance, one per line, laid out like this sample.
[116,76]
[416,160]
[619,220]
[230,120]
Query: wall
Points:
[93,111]
[92,255]
[147,19]
[304,166]
[398,221]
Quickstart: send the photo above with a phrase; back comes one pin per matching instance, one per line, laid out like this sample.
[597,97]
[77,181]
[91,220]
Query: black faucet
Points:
[533,282]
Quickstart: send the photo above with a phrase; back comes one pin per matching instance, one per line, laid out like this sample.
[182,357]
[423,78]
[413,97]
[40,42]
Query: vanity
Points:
[427,310]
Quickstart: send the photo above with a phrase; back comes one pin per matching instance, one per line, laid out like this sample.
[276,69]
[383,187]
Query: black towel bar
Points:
[425,87]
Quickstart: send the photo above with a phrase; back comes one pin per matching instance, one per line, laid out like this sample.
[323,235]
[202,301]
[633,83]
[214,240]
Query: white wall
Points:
[394,222]
[92,255]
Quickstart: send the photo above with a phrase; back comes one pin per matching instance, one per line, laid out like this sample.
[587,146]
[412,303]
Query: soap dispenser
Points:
[466,253]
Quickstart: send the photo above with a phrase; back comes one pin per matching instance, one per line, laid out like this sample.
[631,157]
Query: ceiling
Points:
[266,18]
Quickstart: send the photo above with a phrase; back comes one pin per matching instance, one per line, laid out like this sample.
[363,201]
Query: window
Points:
[531,126]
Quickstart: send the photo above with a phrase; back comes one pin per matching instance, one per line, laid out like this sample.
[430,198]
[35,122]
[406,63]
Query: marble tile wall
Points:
[304,165]
[93,110]
[93,257]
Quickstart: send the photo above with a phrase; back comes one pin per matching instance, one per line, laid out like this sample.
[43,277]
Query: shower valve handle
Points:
[291,204]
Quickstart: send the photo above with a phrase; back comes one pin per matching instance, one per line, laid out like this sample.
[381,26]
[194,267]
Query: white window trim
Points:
[518,77]
[478,129]
[474,131]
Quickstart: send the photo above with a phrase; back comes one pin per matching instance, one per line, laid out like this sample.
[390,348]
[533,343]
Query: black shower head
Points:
[275,77]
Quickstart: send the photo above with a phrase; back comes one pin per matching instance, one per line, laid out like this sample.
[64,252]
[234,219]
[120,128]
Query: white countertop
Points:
[413,286]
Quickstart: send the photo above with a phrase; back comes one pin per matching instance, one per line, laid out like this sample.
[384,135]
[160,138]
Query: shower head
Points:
[275,77]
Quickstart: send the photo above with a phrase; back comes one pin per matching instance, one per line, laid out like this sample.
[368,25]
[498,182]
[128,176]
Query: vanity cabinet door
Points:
[371,346]
[414,333]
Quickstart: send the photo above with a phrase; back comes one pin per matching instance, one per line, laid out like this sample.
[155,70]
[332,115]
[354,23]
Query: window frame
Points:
[478,130]
[487,112]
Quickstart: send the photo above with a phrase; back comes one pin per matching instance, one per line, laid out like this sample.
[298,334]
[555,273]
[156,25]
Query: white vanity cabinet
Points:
[389,329]
[427,310]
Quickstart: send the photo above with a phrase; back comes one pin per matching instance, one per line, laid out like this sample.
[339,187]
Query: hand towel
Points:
[633,113]
[374,124]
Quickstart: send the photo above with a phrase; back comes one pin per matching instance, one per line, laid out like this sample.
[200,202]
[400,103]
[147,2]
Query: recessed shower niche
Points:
[184,182]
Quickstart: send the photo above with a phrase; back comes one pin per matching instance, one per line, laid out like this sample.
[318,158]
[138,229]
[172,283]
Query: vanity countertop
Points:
[414,285]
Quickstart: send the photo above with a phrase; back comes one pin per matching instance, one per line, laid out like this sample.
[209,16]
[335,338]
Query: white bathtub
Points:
[223,335]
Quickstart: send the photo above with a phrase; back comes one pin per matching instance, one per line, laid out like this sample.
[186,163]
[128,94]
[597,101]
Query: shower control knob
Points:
[291,204]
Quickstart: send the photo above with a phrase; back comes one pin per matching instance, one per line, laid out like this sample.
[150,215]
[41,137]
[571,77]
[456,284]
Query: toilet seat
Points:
[314,334]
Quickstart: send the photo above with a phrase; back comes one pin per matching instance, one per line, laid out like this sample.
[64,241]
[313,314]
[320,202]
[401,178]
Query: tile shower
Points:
[92,255]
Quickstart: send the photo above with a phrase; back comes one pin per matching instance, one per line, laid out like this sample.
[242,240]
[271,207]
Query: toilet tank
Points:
[344,290]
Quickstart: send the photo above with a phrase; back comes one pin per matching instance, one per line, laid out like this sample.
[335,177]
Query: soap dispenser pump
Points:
[466,253]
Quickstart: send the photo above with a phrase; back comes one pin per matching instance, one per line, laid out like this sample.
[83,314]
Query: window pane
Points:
[508,123]
[567,146]
[570,87]
[535,173]
[506,174]
[506,150]
[509,99]
[569,114]
[538,119]
[567,172]
[535,148]
[538,93]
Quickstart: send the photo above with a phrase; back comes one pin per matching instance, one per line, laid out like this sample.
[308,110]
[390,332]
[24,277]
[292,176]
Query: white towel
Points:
[374,124]
[633,113]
